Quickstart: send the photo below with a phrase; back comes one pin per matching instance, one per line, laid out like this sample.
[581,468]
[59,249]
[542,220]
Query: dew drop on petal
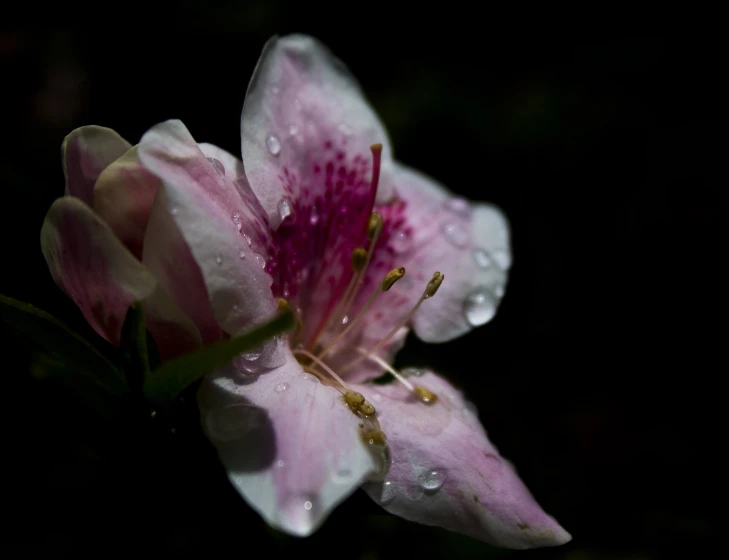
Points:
[312,378]
[242,254]
[217,165]
[284,208]
[281,387]
[341,470]
[388,493]
[456,234]
[481,258]
[273,145]
[499,291]
[261,261]
[412,372]
[401,241]
[345,319]
[247,238]
[293,130]
[297,514]
[432,480]
[479,307]
[238,220]
[314,217]
[459,206]
[233,421]
[218,258]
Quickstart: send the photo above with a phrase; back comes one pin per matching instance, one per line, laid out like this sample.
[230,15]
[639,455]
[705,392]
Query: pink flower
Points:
[318,217]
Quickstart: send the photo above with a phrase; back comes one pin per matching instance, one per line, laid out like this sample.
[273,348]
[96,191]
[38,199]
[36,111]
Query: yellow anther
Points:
[366,408]
[376,147]
[359,259]
[393,276]
[434,284]
[374,226]
[372,435]
[283,305]
[426,395]
[354,399]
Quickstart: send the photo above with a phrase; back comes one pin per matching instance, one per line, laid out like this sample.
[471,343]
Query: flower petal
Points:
[445,472]
[469,244]
[290,445]
[123,198]
[85,153]
[212,218]
[93,267]
[303,112]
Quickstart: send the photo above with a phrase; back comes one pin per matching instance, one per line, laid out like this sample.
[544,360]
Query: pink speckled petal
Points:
[304,111]
[85,153]
[123,198]
[204,204]
[445,472]
[290,445]
[468,243]
[103,278]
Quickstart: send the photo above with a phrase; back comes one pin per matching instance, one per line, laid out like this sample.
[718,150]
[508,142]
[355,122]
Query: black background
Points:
[600,376]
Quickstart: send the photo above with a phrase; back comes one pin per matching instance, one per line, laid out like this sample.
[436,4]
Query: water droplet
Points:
[233,421]
[479,307]
[273,145]
[293,130]
[280,463]
[345,129]
[345,319]
[456,234]
[502,258]
[217,165]
[312,378]
[412,372]
[281,387]
[432,480]
[388,493]
[314,218]
[247,238]
[459,206]
[261,261]
[284,208]
[174,210]
[481,258]
[499,291]
[341,470]
[238,220]
[401,241]
[251,356]
[218,258]
[242,254]
[297,514]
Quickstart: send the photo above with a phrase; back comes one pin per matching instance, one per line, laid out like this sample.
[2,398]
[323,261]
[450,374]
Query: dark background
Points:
[600,376]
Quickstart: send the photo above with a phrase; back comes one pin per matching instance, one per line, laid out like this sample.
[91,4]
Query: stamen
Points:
[357,402]
[430,290]
[322,365]
[284,305]
[387,282]
[424,394]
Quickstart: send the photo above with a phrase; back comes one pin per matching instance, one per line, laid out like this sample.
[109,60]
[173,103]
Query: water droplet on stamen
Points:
[217,165]
[273,145]
[284,208]
[432,480]
[479,307]
[281,387]
[481,258]
[388,493]
[456,234]
[459,206]
[218,258]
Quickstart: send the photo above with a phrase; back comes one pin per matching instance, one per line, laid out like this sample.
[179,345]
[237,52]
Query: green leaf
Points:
[58,351]
[167,381]
[134,350]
